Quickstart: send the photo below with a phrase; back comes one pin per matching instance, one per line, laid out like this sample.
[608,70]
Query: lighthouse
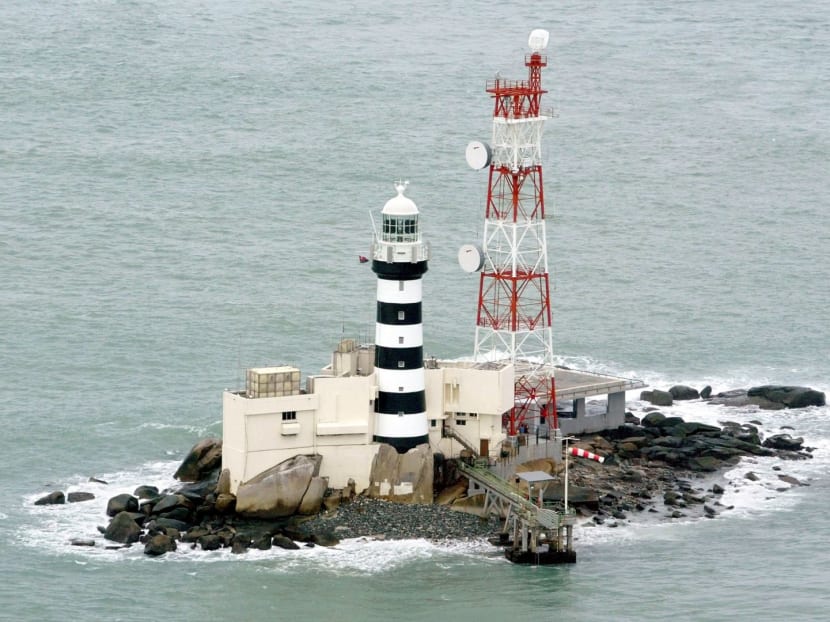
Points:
[399,258]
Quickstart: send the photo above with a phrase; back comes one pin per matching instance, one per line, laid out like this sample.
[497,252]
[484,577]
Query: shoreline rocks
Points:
[657,467]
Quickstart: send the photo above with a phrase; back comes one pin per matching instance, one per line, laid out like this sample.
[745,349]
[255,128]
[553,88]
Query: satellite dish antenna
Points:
[538,40]
[470,258]
[478,155]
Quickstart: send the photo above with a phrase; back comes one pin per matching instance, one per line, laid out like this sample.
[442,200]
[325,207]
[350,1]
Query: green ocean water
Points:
[185,188]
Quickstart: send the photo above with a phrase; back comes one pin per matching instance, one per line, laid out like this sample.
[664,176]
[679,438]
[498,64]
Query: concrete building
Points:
[387,392]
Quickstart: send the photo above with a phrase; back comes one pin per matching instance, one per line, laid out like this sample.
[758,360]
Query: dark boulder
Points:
[284,542]
[171,523]
[225,503]
[210,542]
[146,492]
[778,396]
[122,503]
[159,544]
[744,432]
[240,543]
[262,542]
[657,397]
[203,460]
[194,533]
[682,392]
[691,428]
[784,441]
[166,503]
[53,498]
[705,392]
[77,497]
[82,542]
[123,528]
[653,419]
[324,538]
[735,397]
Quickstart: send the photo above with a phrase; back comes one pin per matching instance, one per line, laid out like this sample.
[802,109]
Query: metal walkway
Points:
[539,535]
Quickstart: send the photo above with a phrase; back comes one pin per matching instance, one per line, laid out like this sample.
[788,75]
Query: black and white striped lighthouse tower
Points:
[399,258]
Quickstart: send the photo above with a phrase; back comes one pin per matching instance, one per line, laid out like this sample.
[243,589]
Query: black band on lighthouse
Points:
[399,313]
[402,444]
[391,358]
[399,271]
[406,403]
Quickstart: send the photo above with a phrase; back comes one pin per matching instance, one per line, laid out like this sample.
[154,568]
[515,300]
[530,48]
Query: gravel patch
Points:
[364,517]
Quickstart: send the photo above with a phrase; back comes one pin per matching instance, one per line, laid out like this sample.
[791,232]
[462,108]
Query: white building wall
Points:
[336,421]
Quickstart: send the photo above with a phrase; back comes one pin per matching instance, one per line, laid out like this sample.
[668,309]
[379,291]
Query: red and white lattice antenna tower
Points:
[514,313]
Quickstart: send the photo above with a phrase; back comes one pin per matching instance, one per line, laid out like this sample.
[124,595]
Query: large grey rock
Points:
[78,497]
[204,458]
[159,544]
[653,419]
[784,441]
[284,542]
[405,478]
[223,486]
[734,397]
[313,498]
[53,498]
[279,491]
[661,398]
[123,528]
[683,392]
[122,503]
[168,503]
[146,492]
[777,396]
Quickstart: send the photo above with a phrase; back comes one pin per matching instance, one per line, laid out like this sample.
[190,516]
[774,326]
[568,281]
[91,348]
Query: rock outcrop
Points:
[282,490]
[202,460]
[404,478]
[777,396]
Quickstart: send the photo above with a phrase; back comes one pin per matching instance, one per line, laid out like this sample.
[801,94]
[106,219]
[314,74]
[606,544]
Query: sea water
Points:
[185,188]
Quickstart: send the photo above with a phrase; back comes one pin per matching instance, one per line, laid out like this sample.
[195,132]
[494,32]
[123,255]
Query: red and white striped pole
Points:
[582,453]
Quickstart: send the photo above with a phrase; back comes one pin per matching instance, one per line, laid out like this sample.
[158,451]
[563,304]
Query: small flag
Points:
[363,259]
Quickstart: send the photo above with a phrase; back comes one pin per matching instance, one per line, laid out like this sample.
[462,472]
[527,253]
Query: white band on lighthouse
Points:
[399,258]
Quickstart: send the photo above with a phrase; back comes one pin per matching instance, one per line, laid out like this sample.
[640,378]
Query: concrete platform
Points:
[572,384]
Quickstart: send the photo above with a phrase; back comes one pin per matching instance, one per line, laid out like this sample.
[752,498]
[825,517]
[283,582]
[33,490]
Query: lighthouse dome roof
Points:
[400,205]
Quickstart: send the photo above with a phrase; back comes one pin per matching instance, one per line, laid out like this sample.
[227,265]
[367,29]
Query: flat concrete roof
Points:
[533,477]
[570,383]
[573,384]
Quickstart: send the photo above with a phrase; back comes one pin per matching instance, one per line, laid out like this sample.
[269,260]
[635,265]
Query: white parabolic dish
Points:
[478,155]
[470,257]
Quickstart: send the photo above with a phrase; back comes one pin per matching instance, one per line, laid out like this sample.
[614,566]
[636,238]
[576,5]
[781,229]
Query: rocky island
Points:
[655,465]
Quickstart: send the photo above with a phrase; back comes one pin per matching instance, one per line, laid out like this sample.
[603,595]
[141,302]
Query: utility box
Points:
[272,382]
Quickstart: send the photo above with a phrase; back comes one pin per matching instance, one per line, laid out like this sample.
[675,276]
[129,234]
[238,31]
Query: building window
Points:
[400,340]
[433,423]
[289,415]
[401,315]
[472,415]
[460,422]
[400,286]
[400,413]
[401,364]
